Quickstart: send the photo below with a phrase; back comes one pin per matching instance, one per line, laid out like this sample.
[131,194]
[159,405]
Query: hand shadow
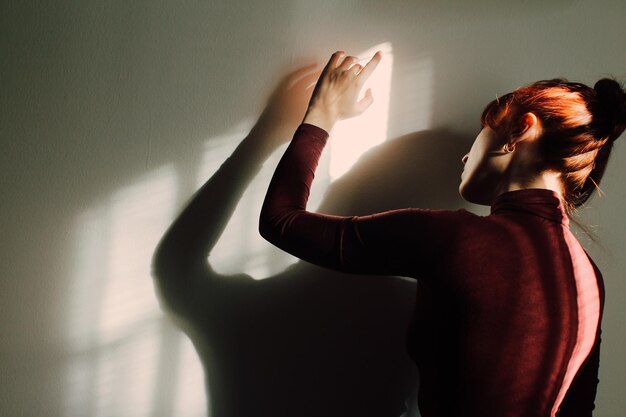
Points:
[308,341]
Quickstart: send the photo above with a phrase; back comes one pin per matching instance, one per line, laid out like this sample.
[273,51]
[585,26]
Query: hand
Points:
[335,95]
[286,106]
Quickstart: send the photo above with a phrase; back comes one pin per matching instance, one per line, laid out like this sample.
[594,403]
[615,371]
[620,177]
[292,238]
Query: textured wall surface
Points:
[112,113]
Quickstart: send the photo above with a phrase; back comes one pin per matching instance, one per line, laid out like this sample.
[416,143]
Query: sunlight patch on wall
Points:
[352,137]
[113,314]
[139,214]
[413,85]
[126,375]
[90,268]
[191,398]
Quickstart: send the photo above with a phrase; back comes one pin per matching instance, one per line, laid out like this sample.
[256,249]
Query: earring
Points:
[508,148]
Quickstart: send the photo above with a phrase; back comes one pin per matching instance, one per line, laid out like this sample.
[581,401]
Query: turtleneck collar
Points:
[538,201]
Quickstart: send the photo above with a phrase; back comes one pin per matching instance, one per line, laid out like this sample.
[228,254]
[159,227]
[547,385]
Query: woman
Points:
[510,305]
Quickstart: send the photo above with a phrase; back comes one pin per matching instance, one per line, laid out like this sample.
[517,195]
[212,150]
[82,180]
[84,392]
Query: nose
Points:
[464,159]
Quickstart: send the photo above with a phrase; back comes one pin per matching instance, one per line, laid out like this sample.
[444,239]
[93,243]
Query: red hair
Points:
[579,125]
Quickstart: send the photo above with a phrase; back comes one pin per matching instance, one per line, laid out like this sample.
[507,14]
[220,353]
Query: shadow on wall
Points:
[310,341]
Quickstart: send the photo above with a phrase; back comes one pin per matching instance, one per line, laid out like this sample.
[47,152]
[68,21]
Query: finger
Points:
[365,102]
[370,67]
[355,69]
[332,62]
[347,63]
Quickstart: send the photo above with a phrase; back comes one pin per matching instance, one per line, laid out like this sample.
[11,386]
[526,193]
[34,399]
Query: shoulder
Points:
[416,213]
[458,217]
[424,222]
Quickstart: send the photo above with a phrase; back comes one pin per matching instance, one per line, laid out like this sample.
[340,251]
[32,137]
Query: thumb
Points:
[365,102]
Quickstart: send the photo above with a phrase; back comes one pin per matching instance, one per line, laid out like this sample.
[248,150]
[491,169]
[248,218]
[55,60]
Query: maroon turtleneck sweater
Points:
[508,311]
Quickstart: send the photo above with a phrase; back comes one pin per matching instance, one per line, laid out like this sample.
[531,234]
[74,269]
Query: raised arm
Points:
[389,243]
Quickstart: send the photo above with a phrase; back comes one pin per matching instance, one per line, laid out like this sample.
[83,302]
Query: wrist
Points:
[320,118]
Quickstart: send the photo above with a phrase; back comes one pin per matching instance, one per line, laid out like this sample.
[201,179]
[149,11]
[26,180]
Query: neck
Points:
[549,180]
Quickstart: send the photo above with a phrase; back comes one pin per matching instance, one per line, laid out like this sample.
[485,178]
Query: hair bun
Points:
[612,100]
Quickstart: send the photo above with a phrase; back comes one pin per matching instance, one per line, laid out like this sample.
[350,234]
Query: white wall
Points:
[111,109]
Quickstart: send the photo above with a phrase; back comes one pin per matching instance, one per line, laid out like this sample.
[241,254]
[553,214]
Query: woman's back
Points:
[504,322]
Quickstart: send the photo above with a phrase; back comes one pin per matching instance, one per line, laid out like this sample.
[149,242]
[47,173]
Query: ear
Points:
[530,128]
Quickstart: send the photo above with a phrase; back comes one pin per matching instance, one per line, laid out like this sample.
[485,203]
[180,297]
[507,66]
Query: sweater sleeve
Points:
[391,243]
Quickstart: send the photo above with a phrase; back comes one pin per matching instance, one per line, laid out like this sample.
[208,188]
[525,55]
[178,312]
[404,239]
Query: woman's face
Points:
[483,169]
